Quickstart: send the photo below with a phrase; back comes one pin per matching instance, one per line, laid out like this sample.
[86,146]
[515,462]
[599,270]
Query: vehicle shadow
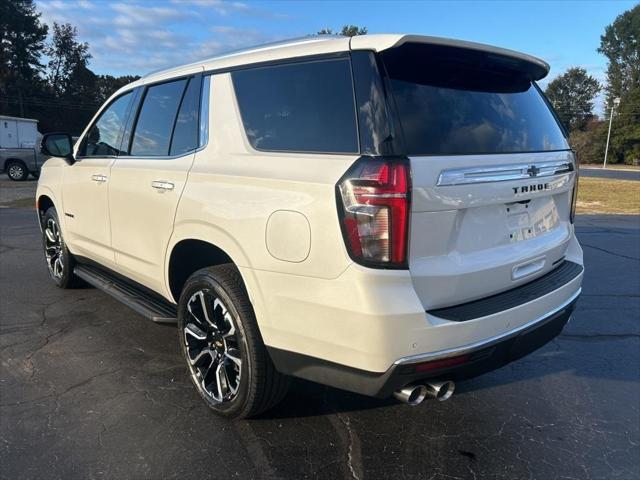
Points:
[308,399]
[566,354]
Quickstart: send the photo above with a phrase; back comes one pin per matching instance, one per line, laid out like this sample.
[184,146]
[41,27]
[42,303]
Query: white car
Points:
[382,214]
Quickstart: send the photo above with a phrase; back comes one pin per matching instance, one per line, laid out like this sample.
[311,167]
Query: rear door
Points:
[146,183]
[491,169]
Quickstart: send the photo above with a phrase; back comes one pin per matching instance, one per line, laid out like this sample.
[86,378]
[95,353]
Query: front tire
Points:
[60,262]
[17,171]
[222,346]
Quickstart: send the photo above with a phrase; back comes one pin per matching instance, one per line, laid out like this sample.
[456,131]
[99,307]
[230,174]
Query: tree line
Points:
[48,80]
[63,93]
[573,92]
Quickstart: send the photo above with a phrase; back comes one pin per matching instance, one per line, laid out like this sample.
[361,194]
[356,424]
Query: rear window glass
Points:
[468,103]
[185,132]
[301,107]
[156,119]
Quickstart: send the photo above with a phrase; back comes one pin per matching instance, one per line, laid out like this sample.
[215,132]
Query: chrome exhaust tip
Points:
[441,391]
[411,394]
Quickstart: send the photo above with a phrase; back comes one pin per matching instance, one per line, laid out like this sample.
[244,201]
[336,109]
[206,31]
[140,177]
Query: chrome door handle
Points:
[162,185]
[99,178]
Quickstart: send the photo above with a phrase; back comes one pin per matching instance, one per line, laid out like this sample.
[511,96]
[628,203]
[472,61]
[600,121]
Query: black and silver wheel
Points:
[53,249]
[212,349]
[59,260]
[219,338]
[17,171]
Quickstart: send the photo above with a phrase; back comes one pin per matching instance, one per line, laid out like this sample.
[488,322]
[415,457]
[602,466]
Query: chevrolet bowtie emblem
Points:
[533,171]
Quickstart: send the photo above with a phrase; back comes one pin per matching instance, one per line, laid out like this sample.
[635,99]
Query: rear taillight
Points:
[574,194]
[373,205]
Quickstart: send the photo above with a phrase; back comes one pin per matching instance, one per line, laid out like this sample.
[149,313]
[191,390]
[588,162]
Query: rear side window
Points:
[464,103]
[301,107]
[105,135]
[185,133]
[152,136]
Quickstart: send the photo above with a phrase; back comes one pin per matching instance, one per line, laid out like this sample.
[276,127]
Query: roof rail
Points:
[263,46]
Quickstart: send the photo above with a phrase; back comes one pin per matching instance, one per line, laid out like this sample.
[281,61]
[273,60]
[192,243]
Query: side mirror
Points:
[58,145]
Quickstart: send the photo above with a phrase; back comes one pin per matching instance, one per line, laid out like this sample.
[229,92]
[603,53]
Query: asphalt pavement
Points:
[90,390]
[610,173]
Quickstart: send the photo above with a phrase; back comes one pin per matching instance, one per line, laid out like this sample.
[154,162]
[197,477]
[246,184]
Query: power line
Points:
[51,104]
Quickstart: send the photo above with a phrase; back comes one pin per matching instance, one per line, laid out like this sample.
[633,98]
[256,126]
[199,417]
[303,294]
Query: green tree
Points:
[572,95]
[589,143]
[106,85]
[67,60]
[621,45]
[347,31]
[22,38]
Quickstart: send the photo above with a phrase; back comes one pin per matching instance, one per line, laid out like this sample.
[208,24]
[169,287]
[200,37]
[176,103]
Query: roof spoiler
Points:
[533,67]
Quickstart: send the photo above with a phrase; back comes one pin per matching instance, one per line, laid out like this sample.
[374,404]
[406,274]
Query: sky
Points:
[136,37]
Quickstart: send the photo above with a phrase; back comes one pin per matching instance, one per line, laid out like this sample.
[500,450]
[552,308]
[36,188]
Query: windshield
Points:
[452,101]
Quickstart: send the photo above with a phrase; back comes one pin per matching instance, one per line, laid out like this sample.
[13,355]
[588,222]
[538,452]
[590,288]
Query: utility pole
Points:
[616,102]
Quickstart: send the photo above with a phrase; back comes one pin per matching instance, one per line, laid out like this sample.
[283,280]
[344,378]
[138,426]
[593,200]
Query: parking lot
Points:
[88,389]
[617,174]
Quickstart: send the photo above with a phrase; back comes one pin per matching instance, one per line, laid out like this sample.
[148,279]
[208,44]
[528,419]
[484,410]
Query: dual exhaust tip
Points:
[416,394]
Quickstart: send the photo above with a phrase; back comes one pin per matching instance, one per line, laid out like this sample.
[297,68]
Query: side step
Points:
[147,304]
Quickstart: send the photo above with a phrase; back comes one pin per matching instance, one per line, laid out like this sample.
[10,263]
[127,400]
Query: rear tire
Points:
[16,170]
[60,262]
[222,346]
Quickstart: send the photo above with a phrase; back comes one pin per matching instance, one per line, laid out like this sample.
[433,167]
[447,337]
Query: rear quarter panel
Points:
[232,190]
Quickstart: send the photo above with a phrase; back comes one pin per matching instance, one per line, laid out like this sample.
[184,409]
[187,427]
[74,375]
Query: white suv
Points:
[382,214]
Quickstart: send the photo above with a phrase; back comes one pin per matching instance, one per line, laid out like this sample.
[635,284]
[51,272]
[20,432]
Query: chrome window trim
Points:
[471,347]
[159,157]
[503,173]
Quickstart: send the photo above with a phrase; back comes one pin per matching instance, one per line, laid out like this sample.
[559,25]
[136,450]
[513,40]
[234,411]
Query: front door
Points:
[86,184]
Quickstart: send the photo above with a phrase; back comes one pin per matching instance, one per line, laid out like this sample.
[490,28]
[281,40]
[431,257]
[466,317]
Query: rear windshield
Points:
[454,101]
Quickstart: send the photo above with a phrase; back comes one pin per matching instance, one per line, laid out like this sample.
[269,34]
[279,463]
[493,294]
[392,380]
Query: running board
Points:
[147,304]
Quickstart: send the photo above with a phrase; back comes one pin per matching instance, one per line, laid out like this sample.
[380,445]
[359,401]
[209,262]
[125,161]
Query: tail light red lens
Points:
[574,194]
[373,204]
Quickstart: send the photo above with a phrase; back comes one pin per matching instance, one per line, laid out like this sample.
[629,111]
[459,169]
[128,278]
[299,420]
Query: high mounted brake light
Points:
[373,205]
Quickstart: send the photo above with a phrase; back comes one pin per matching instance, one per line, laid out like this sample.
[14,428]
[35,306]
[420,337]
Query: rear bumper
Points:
[459,363]
[368,320]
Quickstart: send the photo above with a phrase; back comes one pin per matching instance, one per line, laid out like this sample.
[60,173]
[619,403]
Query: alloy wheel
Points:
[16,171]
[212,346]
[53,249]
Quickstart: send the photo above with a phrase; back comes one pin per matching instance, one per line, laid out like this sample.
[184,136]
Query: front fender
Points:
[44,190]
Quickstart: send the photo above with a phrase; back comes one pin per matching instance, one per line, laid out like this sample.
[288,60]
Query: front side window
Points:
[459,102]
[300,107]
[105,136]
[152,135]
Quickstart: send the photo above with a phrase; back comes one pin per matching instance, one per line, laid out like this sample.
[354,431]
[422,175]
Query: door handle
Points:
[99,178]
[162,185]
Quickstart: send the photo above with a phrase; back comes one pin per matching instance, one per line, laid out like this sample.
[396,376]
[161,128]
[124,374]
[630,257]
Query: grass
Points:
[602,195]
